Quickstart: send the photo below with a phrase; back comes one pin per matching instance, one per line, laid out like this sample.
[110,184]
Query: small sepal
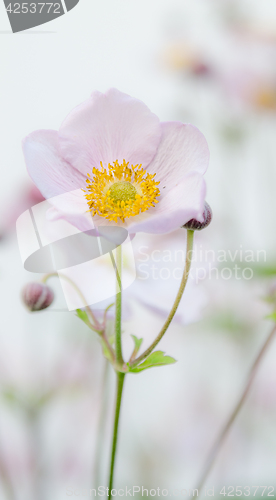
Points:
[156,358]
[137,345]
[84,317]
[195,225]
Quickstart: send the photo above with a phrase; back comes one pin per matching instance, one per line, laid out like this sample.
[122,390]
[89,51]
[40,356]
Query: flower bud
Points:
[195,225]
[37,296]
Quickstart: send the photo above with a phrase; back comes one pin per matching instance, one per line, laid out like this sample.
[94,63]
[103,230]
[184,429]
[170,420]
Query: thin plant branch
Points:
[189,252]
[100,329]
[105,314]
[96,324]
[225,430]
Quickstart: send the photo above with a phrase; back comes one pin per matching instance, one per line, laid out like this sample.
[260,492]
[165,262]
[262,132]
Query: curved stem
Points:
[105,314]
[109,347]
[120,384]
[224,432]
[189,252]
[118,317]
[89,311]
[100,329]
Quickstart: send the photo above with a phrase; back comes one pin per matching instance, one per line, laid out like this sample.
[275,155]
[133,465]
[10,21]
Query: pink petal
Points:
[83,222]
[109,127]
[51,174]
[182,203]
[183,148]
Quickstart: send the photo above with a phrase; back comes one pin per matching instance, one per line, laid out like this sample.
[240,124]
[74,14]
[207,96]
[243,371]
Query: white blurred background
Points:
[211,63]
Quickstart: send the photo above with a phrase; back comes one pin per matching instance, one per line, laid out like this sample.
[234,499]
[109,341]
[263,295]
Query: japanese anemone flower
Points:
[114,163]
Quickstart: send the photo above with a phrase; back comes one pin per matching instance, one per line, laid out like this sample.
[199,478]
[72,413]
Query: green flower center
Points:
[122,191]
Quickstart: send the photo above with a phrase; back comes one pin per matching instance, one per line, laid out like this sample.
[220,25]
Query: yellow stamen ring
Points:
[121,191]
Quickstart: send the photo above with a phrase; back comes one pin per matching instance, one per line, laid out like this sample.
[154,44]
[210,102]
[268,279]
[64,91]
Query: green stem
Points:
[96,327]
[119,361]
[82,297]
[118,316]
[189,251]
[120,384]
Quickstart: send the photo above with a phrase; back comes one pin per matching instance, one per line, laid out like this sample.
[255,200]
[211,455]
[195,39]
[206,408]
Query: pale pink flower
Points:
[115,127]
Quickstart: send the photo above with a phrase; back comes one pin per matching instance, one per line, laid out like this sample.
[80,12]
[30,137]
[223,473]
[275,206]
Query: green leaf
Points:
[137,343]
[156,358]
[83,316]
